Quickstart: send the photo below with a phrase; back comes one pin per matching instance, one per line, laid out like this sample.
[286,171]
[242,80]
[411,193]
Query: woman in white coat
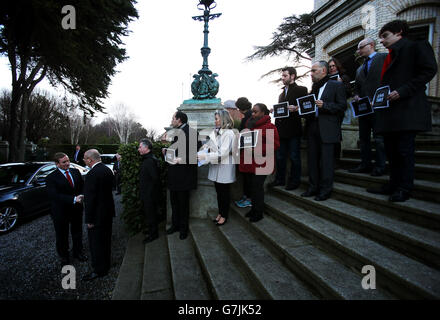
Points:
[222,142]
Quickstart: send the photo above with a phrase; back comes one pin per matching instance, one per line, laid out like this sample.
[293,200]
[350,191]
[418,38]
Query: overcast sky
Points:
[164,53]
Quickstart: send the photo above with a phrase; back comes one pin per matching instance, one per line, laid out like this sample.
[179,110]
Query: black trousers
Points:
[320,160]
[118,182]
[100,238]
[151,219]
[223,198]
[366,125]
[257,195]
[400,148]
[62,223]
[247,184]
[180,210]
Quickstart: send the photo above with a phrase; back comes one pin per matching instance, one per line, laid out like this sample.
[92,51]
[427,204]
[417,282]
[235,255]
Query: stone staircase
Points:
[303,249]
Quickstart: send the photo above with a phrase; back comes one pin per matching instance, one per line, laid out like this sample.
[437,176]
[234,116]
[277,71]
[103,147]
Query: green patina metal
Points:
[205,86]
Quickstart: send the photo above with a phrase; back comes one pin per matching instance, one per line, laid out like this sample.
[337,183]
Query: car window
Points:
[44,172]
[16,174]
[108,159]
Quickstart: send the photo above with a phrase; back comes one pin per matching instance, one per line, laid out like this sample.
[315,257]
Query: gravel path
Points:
[30,269]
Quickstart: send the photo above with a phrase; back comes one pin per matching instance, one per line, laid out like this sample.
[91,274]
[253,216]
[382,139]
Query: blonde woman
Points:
[221,162]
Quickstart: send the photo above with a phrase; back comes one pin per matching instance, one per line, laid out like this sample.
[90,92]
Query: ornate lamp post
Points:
[205,86]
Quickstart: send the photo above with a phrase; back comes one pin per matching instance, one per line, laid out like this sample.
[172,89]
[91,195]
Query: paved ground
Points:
[30,269]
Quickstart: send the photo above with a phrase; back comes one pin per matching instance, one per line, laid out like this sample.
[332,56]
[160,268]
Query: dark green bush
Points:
[132,215]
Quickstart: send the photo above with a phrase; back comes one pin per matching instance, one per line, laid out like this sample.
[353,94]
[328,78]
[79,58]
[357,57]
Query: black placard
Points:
[281,110]
[306,104]
[361,107]
[380,98]
[248,139]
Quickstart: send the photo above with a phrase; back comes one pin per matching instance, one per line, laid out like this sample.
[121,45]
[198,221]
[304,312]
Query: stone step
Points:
[328,276]
[186,273]
[417,242]
[422,213]
[427,143]
[157,283]
[404,277]
[129,282]
[421,157]
[423,189]
[225,277]
[274,279]
[421,171]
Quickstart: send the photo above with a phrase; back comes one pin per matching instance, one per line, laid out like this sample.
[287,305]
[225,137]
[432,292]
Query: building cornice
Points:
[336,15]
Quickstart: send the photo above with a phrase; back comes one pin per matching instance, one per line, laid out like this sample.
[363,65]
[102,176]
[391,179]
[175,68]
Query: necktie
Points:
[366,65]
[285,91]
[386,63]
[69,178]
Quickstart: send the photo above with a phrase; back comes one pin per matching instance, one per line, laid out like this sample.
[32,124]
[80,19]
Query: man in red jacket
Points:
[259,161]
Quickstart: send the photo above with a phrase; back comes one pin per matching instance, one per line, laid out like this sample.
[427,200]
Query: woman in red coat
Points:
[260,160]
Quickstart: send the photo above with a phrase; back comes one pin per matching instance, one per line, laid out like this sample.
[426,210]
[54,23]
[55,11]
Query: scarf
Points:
[317,85]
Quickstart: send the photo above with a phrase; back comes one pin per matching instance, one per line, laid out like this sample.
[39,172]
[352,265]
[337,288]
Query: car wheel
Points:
[8,218]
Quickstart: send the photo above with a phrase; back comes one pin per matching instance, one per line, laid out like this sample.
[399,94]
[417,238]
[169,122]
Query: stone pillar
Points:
[200,116]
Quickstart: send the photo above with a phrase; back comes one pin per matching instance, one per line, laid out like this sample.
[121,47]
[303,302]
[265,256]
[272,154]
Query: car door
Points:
[37,196]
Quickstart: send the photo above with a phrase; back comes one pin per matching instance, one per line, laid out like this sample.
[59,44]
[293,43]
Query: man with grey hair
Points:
[367,81]
[323,131]
[99,213]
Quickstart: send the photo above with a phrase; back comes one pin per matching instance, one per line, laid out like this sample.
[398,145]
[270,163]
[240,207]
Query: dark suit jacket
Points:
[413,65]
[61,194]
[98,196]
[335,103]
[183,176]
[80,157]
[291,126]
[149,181]
[365,86]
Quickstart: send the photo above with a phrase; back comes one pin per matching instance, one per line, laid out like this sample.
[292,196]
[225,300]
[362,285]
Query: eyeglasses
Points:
[361,47]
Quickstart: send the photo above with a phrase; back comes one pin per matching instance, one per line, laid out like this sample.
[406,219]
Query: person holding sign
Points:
[408,67]
[221,162]
[259,161]
[367,81]
[323,131]
[290,131]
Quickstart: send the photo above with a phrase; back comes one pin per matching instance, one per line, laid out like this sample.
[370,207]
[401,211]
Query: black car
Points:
[23,191]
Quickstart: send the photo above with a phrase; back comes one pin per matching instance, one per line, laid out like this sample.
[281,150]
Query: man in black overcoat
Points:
[99,213]
[290,131]
[182,173]
[367,81]
[65,188]
[408,67]
[78,156]
[323,131]
[149,188]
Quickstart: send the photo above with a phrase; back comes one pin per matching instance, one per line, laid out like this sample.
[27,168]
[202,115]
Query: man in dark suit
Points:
[290,131]
[367,81]
[182,173]
[149,188]
[78,156]
[99,213]
[408,67]
[117,171]
[65,188]
[323,131]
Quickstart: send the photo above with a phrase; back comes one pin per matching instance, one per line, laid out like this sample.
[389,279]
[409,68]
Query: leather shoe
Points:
[309,193]
[80,257]
[255,218]
[360,169]
[322,197]
[92,276]
[385,190]
[292,186]
[172,230]
[377,172]
[150,237]
[275,184]
[399,196]
[183,236]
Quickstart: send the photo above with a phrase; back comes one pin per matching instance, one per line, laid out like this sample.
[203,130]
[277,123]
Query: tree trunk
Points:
[23,126]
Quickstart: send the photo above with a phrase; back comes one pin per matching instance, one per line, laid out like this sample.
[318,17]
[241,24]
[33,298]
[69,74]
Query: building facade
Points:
[341,24]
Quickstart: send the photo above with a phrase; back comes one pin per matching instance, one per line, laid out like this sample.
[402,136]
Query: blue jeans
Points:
[289,147]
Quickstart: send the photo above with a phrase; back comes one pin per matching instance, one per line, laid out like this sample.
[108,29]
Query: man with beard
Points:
[323,131]
[290,131]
